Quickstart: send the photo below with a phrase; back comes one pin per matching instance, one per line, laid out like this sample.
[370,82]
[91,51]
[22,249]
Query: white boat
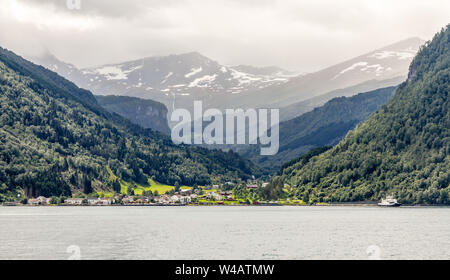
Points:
[389,201]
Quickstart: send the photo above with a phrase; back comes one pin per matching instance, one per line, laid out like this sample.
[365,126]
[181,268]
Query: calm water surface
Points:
[224,233]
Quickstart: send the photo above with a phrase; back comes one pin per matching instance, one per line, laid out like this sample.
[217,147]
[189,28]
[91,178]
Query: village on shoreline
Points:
[228,194]
[185,196]
[214,195]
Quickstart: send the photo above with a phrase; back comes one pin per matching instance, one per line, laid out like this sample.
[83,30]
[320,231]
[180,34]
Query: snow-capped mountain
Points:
[178,80]
[389,64]
[175,80]
[177,74]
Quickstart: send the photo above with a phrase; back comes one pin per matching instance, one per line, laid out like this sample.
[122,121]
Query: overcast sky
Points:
[295,34]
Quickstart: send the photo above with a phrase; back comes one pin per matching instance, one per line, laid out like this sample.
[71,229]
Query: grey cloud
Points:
[106,8]
[295,34]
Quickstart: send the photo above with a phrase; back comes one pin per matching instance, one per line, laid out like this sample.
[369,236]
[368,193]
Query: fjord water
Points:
[224,233]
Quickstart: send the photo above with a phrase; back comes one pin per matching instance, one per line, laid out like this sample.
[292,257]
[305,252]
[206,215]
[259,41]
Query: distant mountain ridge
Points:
[179,80]
[265,71]
[174,80]
[323,126]
[380,66]
[403,149]
[302,107]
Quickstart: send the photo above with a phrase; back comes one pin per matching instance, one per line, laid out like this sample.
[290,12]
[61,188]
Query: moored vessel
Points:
[389,201]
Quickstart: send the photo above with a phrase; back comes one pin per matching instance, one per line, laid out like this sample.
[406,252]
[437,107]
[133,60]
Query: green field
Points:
[151,186]
[139,189]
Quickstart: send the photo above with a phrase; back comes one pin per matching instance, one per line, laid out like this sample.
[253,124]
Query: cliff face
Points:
[143,112]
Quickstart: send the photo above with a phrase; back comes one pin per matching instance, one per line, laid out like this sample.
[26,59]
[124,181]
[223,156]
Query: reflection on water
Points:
[224,233]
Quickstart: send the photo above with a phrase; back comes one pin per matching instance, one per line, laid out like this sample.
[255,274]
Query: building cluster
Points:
[220,196]
[207,195]
[41,200]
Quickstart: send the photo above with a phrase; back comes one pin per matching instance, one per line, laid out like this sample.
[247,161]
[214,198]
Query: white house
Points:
[33,201]
[186,191]
[214,195]
[99,201]
[43,200]
[164,199]
[74,201]
[105,201]
[185,199]
[128,199]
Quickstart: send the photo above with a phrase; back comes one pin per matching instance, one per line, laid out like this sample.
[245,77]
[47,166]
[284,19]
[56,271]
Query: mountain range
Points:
[323,126]
[172,78]
[175,80]
[383,67]
[403,149]
[178,80]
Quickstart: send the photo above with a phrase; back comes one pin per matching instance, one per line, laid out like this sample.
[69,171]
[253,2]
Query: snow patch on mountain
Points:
[112,72]
[244,78]
[354,66]
[400,55]
[193,72]
[203,81]
[167,77]
[364,66]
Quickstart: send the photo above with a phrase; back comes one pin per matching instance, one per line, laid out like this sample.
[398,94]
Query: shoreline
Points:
[350,205]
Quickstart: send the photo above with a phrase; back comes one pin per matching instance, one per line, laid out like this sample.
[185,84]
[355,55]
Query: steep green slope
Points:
[55,139]
[402,149]
[144,112]
[324,126]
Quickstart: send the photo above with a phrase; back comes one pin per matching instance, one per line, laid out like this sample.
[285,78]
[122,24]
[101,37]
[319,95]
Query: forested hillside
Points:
[324,126]
[402,149]
[55,140]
